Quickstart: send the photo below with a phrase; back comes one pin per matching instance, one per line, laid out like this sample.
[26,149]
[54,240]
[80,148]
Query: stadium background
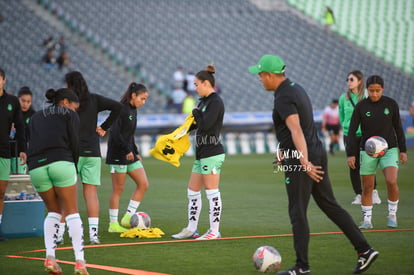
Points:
[113,44]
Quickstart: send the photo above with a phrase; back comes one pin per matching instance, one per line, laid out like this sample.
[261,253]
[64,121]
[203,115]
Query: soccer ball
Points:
[267,259]
[376,146]
[140,220]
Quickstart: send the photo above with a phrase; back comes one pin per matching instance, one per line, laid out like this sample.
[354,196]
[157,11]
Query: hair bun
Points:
[50,94]
[210,68]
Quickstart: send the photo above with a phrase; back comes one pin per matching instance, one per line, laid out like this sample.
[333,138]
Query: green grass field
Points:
[254,207]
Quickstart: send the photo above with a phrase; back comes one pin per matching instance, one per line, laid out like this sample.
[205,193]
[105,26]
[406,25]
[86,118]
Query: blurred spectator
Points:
[49,60]
[1,18]
[63,60]
[177,97]
[49,43]
[179,77]
[60,46]
[190,83]
[410,129]
[188,103]
[329,18]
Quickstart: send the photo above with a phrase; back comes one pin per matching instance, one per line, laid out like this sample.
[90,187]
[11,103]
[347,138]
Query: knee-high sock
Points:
[392,207]
[194,209]
[214,198]
[367,213]
[93,227]
[132,207]
[75,230]
[113,215]
[61,230]
[51,230]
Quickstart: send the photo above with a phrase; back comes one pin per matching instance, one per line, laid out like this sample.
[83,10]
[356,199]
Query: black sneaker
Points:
[294,271]
[365,259]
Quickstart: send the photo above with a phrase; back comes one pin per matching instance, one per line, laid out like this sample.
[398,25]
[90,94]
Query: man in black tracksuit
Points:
[304,160]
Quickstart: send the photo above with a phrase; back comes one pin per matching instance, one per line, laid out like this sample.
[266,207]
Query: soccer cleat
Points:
[186,234]
[392,221]
[366,225]
[294,271]
[365,259]
[94,240]
[80,268]
[375,197]
[126,221]
[51,266]
[357,199]
[209,235]
[115,227]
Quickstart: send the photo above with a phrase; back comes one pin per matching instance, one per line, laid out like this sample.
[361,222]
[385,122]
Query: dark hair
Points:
[77,83]
[375,79]
[133,88]
[361,89]
[55,96]
[207,74]
[24,91]
[335,101]
[2,73]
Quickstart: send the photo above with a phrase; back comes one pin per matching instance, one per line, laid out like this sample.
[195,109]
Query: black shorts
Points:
[333,128]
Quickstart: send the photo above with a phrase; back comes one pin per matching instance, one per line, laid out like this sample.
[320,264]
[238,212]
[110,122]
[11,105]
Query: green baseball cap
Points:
[269,63]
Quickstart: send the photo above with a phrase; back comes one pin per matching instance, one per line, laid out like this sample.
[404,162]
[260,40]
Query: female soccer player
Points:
[9,114]
[209,158]
[347,102]
[377,115]
[89,165]
[52,157]
[123,157]
[25,97]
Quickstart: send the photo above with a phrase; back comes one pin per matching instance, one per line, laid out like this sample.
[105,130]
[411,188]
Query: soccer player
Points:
[377,115]
[347,102]
[52,157]
[209,158]
[10,113]
[123,157]
[305,159]
[25,96]
[89,165]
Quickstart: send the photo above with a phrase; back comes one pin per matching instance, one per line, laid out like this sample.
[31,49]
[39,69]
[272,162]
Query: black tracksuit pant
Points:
[299,188]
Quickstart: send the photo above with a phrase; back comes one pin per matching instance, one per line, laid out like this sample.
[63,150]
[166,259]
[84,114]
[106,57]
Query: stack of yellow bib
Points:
[146,233]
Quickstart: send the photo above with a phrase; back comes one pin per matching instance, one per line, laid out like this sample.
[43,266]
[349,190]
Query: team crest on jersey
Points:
[386,111]
[204,109]
[9,107]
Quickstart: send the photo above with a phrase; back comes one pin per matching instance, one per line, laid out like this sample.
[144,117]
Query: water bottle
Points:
[12,134]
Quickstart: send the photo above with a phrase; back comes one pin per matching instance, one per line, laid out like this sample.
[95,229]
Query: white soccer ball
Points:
[267,259]
[140,220]
[376,146]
